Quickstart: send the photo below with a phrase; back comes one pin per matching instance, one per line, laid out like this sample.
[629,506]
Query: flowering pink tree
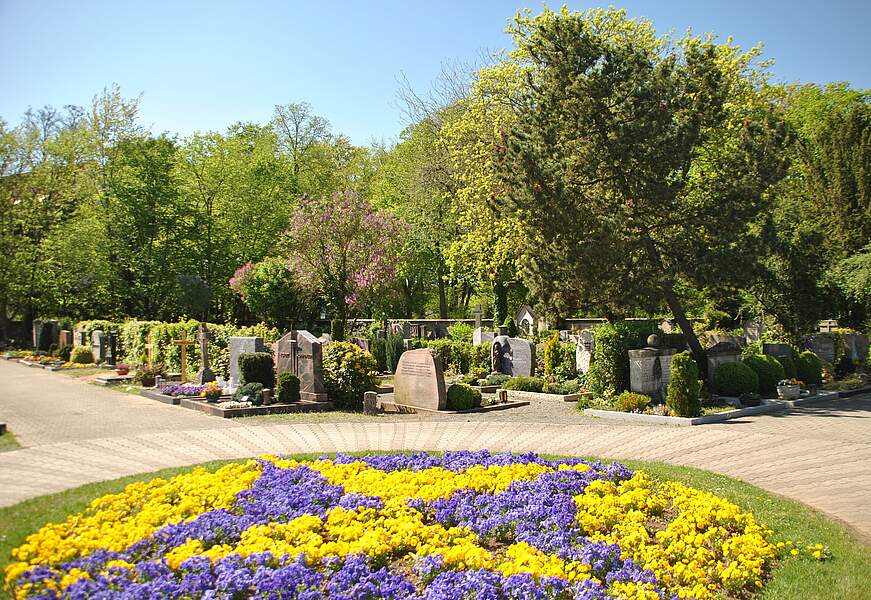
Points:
[344,249]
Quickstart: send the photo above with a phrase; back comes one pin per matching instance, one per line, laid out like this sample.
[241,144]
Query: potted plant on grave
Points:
[212,392]
[122,369]
[788,389]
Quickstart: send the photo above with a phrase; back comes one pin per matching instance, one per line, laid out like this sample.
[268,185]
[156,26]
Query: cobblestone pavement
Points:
[75,433]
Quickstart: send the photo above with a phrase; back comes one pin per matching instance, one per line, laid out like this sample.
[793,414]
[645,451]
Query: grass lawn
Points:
[844,575]
[83,372]
[8,442]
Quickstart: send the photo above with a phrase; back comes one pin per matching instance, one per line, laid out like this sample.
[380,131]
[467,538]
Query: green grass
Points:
[845,575]
[8,442]
[83,372]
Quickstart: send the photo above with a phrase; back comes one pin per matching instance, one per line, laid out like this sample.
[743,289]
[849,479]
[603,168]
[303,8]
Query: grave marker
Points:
[584,351]
[98,345]
[512,356]
[184,343]
[420,381]
[240,345]
[301,353]
[205,374]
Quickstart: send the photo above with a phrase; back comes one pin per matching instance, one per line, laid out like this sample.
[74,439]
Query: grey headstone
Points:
[724,352]
[650,371]
[822,345]
[584,351]
[301,353]
[419,380]
[111,348]
[778,350]
[205,374]
[98,345]
[240,345]
[512,356]
[482,336]
[753,330]
[45,333]
[856,346]
[713,339]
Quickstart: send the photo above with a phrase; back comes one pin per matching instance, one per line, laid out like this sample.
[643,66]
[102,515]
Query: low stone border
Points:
[487,389]
[108,380]
[152,394]
[767,406]
[856,392]
[542,397]
[392,407]
[270,409]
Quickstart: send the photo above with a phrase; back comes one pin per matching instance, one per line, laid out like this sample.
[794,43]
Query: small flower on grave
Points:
[212,391]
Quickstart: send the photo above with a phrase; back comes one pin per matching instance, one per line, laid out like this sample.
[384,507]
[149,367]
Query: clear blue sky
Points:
[204,65]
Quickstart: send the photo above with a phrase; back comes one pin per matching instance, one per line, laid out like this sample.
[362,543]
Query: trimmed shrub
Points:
[563,388]
[257,367]
[461,332]
[497,378]
[524,384]
[769,371]
[287,388]
[349,371]
[609,371]
[147,376]
[52,349]
[64,352]
[551,354]
[735,379]
[631,402]
[511,326]
[393,349]
[337,330]
[789,366]
[809,368]
[463,397]
[683,389]
[253,391]
[81,355]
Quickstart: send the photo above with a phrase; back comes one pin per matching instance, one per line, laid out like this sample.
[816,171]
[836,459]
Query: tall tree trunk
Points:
[677,310]
[440,275]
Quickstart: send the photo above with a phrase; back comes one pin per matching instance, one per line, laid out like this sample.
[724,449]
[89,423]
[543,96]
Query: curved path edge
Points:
[776,463]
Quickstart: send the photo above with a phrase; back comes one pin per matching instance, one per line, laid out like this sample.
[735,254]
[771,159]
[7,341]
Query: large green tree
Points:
[633,160]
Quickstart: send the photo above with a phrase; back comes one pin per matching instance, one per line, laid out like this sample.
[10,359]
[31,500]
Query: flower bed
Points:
[400,526]
[183,389]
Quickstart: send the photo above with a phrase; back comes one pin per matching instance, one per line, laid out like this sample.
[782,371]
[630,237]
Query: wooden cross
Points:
[478,312]
[184,343]
[149,350]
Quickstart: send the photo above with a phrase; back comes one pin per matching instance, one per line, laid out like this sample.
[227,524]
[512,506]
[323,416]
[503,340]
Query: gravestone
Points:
[584,351]
[724,352]
[65,338]
[753,330]
[822,345]
[414,331]
[403,329]
[712,340]
[80,338]
[240,345]
[111,348]
[512,356]
[650,369]
[777,350]
[301,353]
[856,346]
[526,319]
[478,313]
[325,338]
[420,381]
[361,342]
[98,345]
[482,336]
[205,374]
[45,333]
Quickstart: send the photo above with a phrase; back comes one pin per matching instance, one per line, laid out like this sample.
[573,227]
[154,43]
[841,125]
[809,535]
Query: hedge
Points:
[734,379]
[683,387]
[609,370]
[257,367]
[768,369]
[463,397]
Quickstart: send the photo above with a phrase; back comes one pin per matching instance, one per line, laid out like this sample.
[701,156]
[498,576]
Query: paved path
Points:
[78,433]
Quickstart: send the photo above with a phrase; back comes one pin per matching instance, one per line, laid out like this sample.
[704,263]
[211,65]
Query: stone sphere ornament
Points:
[653,340]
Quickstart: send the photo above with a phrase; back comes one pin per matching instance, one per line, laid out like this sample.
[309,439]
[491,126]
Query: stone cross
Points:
[183,344]
[478,312]
[205,374]
[149,349]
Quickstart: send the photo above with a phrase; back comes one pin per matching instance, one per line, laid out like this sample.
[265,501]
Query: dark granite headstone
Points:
[301,353]
[205,374]
[419,380]
[45,333]
[822,345]
[111,348]
[778,350]
[856,346]
[512,356]
[240,345]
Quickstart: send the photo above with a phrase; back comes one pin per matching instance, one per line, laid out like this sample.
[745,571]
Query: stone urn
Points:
[788,391]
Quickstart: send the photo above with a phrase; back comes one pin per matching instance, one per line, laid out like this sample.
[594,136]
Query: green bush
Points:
[81,355]
[64,352]
[789,366]
[337,330]
[551,354]
[393,349]
[463,397]
[461,332]
[631,402]
[349,371]
[563,388]
[735,379]
[524,384]
[769,371]
[809,368]
[497,378]
[683,388]
[378,348]
[287,388]
[257,367]
[146,376]
[511,326]
[254,392]
[609,371]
